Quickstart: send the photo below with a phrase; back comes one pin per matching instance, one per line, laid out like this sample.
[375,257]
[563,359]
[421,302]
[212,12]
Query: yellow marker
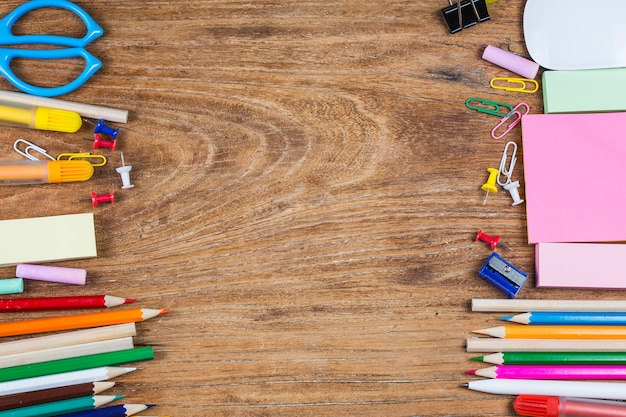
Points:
[41,118]
[490,185]
[42,172]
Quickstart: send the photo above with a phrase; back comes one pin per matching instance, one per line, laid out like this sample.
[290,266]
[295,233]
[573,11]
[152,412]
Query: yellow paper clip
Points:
[86,156]
[520,85]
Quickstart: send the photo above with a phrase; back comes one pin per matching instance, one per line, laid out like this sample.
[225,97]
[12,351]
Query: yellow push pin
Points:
[490,185]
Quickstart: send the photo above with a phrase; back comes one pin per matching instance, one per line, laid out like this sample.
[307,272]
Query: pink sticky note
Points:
[580,265]
[574,177]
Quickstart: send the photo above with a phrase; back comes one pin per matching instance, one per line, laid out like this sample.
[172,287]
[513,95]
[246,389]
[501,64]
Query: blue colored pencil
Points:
[569,318]
[121,410]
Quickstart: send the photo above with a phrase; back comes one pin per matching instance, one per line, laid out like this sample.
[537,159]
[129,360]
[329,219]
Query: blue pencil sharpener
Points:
[503,275]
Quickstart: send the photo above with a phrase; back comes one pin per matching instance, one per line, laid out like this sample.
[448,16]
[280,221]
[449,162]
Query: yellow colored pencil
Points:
[555,332]
[80,321]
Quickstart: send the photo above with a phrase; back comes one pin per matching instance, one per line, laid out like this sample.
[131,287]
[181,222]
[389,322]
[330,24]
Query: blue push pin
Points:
[107,130]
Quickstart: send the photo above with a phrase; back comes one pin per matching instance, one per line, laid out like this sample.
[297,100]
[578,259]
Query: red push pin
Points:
[493,241]
[102,198]
[100,142]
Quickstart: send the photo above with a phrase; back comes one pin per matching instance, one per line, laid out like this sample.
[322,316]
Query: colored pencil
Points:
[79,321]
[61,407]
[589,372]
[488,344]
[61,380]
[65,352]
[569,318]
[76,364]
[68,338]
[558,388]
[122,410]
[62,303]
[569,358]
[523,306]
[25,399]
[555,332]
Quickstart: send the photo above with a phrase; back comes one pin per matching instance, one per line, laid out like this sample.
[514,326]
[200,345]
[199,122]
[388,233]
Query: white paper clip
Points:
[511,187]
[30,147]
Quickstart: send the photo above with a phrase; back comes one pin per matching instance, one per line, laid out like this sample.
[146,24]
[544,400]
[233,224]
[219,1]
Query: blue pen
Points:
[569,318]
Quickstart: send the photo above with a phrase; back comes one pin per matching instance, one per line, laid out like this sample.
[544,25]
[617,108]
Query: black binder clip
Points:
[465,13]
[503,275]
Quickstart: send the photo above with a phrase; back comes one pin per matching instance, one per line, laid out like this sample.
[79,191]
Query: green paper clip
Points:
[488,107]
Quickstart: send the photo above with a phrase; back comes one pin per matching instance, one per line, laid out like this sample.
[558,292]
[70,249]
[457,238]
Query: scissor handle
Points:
[92,64]
[7,37]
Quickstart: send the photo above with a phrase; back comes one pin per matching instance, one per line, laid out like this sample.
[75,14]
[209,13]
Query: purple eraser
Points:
[515,63]
[52,274]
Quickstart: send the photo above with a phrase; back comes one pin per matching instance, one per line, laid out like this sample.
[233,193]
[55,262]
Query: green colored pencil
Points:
[564,358]
[56,408]
[76,364]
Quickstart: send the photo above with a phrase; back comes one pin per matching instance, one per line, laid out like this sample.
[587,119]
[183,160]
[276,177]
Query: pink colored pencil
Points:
[608,372]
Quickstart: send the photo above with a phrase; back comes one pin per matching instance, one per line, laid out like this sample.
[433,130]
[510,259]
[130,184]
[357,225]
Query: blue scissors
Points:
[75,47]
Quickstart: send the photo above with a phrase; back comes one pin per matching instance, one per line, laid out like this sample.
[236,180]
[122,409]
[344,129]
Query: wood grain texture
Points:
[307,193]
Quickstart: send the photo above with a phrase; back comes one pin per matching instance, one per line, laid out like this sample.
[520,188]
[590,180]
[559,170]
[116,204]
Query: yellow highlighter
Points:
[42,118]
[43,172]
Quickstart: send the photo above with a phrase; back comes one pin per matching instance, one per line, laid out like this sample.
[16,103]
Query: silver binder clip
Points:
[30,147]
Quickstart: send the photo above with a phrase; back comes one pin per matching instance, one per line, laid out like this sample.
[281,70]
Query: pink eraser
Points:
[52,274]
[515,63]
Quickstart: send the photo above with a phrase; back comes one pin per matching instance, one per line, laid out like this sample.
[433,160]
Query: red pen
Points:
[548,406]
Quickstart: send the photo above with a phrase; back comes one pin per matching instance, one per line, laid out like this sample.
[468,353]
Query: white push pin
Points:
[124,171]
[512,188]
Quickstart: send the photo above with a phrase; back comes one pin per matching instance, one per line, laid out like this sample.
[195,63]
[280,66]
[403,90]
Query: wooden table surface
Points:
[307,194]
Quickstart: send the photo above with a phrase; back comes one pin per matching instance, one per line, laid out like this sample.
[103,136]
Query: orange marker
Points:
[80,321]
[43,172]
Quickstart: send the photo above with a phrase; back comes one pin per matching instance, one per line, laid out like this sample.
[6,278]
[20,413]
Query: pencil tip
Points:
[477,358]
[165,311]
[481,331]
[129,300]
[505,318]
[471,372]
[465,385]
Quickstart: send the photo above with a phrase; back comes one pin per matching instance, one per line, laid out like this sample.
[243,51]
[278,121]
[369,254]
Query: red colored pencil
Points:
[61,303]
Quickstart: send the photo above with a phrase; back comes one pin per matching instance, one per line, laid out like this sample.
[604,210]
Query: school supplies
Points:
[598,90]
[569,358]
[51,273]
[464,14]
[62,303]
[569,318]
[565,201]
[41,118]
[62,407]
[558,371]
[503,275]
[44,172]
[25,399]
[30,240]
[519,305]
[491,344]
[580,265]
[75,47]
[121,410]
[11,286]
[594,389]
[551,406]
[555,332]
[514,63]
[85,110]
[80,321]
[572,35]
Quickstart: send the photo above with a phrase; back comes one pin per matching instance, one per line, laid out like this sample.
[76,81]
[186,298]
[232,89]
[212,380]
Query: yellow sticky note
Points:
[47,239]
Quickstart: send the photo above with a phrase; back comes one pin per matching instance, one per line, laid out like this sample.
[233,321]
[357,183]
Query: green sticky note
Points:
[47,239]
[584,91]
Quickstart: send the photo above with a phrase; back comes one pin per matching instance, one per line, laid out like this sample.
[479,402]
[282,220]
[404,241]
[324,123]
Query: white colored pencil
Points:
[489,344]
[524,306]
[65,352]
[61,380]
[68,338]
[85,110]
[559,388]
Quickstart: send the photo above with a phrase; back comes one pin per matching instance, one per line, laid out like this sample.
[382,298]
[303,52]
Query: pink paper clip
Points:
[516,115]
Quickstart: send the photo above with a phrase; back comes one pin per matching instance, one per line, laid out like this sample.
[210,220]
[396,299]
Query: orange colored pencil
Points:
[80,321]
[555,332]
